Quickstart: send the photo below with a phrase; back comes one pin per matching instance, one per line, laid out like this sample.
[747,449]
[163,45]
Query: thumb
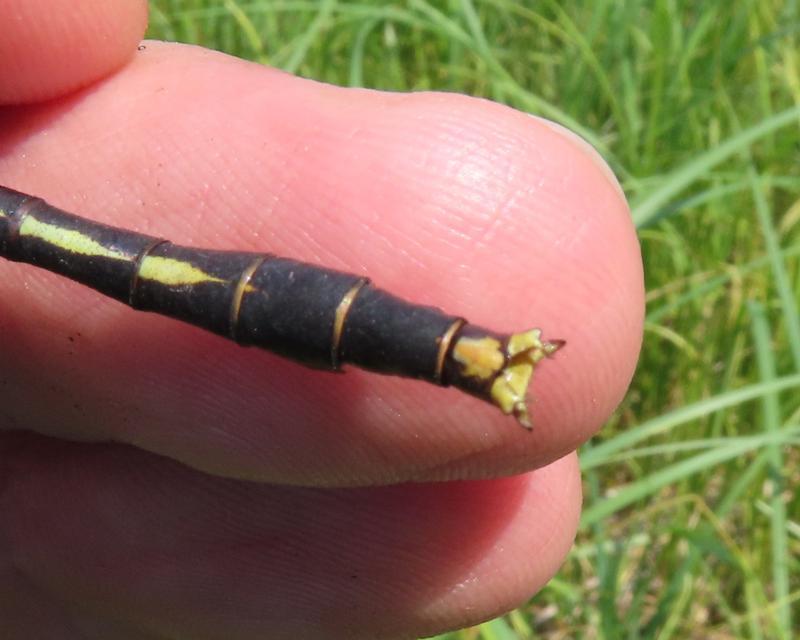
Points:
[49,48]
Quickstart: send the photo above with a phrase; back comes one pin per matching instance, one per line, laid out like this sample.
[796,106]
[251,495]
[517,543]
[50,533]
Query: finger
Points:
[172,552]
[52,47]
[448,201]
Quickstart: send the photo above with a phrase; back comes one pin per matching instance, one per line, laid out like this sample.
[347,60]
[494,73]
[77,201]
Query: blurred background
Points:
[691,526]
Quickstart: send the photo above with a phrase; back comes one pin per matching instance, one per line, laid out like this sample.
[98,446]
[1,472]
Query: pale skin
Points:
[160,482]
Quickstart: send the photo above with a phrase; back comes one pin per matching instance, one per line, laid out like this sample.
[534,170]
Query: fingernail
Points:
[585,147]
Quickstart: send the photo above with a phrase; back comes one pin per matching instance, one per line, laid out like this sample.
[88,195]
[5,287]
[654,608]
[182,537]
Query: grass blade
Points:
[601,453]
[646,210]
[771,417]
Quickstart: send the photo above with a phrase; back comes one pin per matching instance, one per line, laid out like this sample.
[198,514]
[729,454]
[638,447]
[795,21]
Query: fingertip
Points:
[531,550]
[53,47]
[524,226]
[442,199]
[417,559]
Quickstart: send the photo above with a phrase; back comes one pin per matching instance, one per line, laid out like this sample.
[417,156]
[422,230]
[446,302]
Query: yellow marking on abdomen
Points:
[172,272]
[4,214]
[480,357]
[68,239]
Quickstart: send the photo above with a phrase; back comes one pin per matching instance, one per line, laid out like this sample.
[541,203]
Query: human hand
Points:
[191,488]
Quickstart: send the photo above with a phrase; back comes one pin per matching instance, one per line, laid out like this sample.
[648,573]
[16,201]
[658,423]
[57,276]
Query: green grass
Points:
[691,526]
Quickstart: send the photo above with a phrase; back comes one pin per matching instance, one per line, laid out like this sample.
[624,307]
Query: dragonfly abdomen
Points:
[320,317]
